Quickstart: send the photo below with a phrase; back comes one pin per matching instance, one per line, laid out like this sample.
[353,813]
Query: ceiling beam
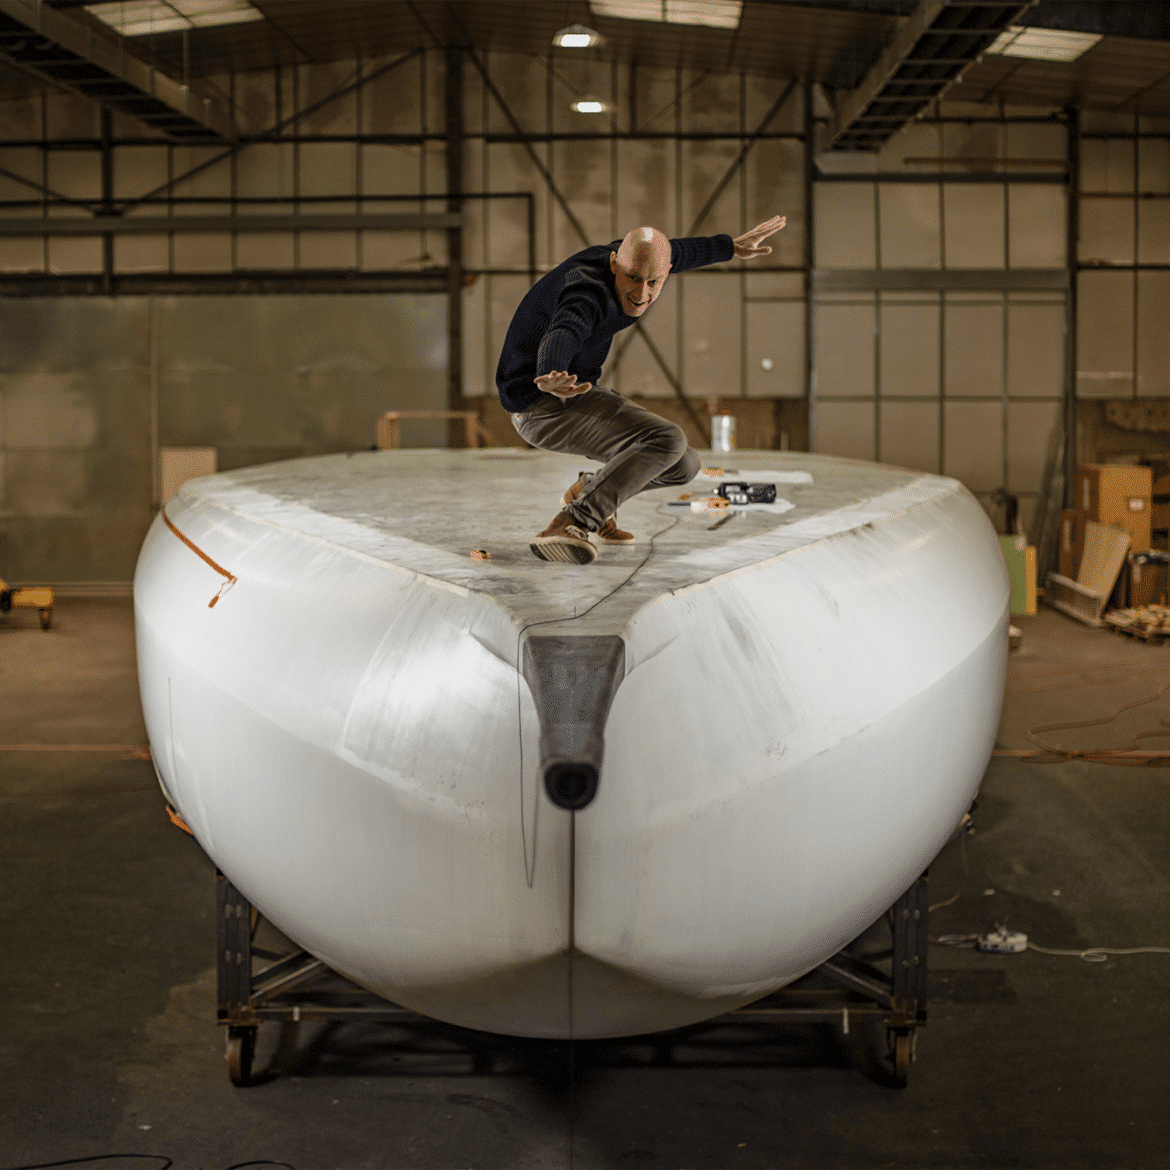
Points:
[929,52]
[39,39]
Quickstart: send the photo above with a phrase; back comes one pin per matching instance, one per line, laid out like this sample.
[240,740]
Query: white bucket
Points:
[723,432]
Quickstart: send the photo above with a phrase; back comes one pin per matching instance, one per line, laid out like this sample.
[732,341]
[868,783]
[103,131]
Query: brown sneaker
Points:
[564,540]
[609,532]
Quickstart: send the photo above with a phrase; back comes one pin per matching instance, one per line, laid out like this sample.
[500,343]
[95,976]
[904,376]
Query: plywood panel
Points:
[76,174]
[265,170]
[1153,350]
[845,428]
[390,170]
[582,172]
[142,253]
[199,170]
[1154,231]
[844,349]
[1154,165]
[83,254]
[775,350]
[973,221]
[318,83]
[521,81]
[761,95]
[1104,334]
[973,444]
[504,293]
[704,165]
[774,182]
[712,348]
[973,339]
[1029,427]
[645,186]
[331,250]
[973,140]
[844,220]
[328,168]
[1036,225]
[909,349]
[203,252]
[1107,164]
[711,102]
[266,250]
[478,370]
[638,372]
[1106,231]
[392,103]
[511,169]
[909,434]
[1036,350]
[1034,140]
[137,171]
[909,225]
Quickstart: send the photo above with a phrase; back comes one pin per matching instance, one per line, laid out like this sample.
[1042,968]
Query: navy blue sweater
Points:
[567,320]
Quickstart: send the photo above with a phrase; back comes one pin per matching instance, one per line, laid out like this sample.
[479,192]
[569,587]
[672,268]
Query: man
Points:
[561,332]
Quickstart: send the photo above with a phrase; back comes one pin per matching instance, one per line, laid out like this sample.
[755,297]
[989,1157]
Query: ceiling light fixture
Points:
[589,105]
[1043,44]
[712,13]
[136,18]
[577,36]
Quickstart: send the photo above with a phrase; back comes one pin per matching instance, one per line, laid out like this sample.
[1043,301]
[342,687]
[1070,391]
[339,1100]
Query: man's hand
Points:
[748,245]
[562,383]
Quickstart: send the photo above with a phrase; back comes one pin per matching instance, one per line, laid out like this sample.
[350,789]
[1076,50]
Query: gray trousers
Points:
[639,450]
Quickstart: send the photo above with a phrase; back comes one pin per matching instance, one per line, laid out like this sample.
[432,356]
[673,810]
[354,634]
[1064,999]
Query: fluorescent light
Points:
[589,105]
[712,13]
[136,18]
[577,36]
[1043,44]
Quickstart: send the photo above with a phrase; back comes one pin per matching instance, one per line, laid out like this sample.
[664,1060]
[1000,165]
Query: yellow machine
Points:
[38,597]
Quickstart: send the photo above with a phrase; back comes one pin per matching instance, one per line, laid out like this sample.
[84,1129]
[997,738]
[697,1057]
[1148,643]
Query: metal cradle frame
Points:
[256,984]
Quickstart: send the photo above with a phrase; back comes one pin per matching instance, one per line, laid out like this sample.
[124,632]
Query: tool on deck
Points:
[748,493]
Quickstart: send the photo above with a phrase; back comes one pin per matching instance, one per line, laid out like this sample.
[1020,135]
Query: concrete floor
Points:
[110,1045]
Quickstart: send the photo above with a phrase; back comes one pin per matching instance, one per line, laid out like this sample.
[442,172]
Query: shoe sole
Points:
[560,548]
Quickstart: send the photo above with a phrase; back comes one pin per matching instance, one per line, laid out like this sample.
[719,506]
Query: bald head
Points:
[640,267]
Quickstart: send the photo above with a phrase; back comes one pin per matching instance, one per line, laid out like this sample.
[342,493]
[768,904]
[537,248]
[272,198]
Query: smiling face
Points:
[640,267]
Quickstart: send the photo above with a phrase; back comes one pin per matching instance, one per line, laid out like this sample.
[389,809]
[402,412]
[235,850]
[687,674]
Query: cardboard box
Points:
[1160,514]
[1118,495]
[1071,539]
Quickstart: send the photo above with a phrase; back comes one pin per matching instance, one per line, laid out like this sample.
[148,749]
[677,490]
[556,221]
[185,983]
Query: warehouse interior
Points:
[237,233]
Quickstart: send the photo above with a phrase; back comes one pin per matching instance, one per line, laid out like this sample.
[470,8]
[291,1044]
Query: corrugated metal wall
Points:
[936,297]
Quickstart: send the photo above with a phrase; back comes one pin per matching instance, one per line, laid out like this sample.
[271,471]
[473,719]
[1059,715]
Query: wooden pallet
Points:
[1149,623]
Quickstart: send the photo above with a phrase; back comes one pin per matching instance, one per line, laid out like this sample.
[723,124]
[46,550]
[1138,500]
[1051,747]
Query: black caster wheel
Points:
[241,1048]
[901,1050]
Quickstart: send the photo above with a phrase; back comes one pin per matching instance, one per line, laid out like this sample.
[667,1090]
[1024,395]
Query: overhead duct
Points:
[39,39]
[929,52]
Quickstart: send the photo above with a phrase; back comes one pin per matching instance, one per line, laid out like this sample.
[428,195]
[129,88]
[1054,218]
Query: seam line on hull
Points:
[800,548]
[414,574]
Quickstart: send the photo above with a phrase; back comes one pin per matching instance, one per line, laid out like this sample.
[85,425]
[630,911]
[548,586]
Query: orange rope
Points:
[178,821]
[231,580]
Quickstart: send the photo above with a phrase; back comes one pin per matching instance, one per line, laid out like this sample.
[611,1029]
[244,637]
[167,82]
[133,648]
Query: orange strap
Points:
[178,821]
[231,580]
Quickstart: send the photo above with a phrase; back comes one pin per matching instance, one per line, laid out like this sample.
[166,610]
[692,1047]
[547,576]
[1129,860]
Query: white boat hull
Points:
[803,713]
